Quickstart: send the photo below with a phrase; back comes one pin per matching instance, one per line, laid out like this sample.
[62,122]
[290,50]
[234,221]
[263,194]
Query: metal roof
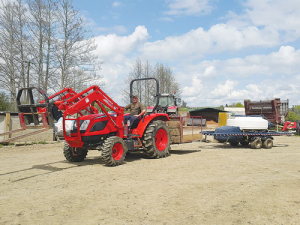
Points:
[207,109]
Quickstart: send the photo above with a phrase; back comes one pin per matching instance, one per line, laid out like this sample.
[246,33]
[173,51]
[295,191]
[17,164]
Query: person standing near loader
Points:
[137,109]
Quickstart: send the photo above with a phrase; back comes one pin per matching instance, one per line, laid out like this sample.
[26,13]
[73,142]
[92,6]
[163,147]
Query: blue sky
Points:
[219,51]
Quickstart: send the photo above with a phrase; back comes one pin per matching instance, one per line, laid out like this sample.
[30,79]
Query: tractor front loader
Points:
[38,112]
[30,115]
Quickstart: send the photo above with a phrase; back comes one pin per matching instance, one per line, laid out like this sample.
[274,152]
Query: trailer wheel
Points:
[256,143]
[74,154]
[268,143]
[156,140]
[114,151]
[234,143]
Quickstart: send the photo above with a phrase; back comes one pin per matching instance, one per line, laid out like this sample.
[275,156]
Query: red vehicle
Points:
[167,104]
[294,126]
[107,131]
[94,127]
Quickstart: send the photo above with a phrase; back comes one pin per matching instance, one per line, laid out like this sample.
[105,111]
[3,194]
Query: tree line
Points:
[44,43]
[145,90]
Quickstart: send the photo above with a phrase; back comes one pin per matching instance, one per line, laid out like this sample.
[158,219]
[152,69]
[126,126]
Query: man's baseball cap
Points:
[134,96]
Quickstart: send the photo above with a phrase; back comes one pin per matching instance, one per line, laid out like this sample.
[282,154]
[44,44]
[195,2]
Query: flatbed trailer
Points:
[235,136]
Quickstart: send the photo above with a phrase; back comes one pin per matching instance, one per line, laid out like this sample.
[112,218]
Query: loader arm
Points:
[95,94]
[62,96]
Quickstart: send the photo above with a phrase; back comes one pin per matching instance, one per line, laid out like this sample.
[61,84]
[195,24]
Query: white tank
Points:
[248,123]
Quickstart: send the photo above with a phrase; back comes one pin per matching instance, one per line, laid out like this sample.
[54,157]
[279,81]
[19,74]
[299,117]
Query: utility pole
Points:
[28,69]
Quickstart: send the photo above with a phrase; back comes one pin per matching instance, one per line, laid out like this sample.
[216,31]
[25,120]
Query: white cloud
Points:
[254,77]
[116,4]
[115,52]
[194,90]
[210,72]
[283,62]
[195,42]
[188,7]
[224,89]
[219,38]
[112,45]
[282,16]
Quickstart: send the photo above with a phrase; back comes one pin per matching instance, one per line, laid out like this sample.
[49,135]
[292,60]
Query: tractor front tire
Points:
[114,150]
[74,154]
[156,140]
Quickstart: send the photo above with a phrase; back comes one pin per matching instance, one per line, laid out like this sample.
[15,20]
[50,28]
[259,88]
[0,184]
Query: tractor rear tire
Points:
[256,143]
[268,143]
[156,140]
[74,154]
[114,150]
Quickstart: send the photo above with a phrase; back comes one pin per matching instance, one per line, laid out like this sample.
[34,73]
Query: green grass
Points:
[184,109]
[1,146]
[42,142]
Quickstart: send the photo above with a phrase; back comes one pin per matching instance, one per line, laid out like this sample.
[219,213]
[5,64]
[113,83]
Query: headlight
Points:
[84,125]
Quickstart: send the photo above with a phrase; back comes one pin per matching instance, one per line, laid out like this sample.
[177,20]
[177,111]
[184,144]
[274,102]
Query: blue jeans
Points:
[131,118]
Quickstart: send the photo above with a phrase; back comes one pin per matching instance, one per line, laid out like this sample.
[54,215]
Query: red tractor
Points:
[92,130]
[167,104]
[107,131]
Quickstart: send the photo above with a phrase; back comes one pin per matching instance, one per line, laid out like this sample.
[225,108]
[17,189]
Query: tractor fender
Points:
[147,120]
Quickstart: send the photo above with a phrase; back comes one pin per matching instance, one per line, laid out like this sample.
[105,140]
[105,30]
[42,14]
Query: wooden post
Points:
[7,123]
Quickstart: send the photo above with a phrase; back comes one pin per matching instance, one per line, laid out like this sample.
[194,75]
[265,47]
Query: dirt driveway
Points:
[200,183]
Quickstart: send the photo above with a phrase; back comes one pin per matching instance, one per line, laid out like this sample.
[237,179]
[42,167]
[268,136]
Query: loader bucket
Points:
[32,110]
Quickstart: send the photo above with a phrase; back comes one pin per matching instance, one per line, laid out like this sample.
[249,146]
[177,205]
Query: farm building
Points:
[211,115]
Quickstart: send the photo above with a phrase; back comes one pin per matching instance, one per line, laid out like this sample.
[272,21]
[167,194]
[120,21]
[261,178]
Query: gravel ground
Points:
[200,183]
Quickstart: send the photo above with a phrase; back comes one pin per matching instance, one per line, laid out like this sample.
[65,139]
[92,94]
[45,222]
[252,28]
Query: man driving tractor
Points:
[137,109]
